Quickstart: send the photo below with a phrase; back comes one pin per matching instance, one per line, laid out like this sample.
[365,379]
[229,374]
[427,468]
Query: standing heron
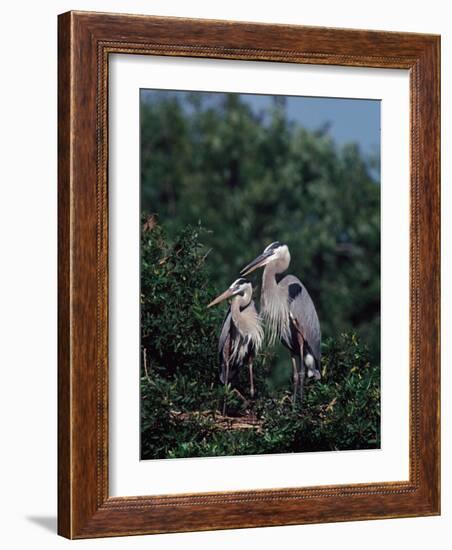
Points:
[289,313]
[241,334]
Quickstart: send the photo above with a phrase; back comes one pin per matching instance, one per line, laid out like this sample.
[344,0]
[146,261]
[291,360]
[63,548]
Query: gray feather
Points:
[238,342]
[225,330]
[303,311]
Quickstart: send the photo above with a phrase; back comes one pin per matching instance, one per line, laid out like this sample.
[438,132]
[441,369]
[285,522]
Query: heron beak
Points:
[260,261]
[227,294]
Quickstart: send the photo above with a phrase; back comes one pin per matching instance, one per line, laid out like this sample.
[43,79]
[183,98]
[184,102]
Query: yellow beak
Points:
[226,294]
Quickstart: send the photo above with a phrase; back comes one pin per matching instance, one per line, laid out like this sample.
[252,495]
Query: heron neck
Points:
[247,321]
[240,302]
[274,304]
[269,276]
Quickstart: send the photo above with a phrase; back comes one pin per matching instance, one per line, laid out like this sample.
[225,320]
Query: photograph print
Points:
[259,274]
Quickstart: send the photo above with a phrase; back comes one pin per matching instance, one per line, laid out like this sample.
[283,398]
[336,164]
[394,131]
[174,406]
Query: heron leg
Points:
[240,396]
[296,378]
[302,379]
[226,382]
[302,367]
[226,378]
[250,367]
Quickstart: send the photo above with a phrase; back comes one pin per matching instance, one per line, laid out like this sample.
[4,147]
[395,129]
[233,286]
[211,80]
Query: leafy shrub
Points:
[181,395]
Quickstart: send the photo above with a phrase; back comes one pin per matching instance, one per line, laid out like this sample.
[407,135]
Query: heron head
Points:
[239,287]
[274,252]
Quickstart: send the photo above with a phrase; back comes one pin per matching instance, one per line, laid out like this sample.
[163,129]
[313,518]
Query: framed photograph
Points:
[248,275]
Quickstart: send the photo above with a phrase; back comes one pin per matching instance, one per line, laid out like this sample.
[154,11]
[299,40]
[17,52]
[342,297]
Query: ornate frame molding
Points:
[85,42]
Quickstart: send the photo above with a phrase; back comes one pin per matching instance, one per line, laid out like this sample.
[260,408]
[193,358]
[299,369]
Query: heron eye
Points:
[273,246]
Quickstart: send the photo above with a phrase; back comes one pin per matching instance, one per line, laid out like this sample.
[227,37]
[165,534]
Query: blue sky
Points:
[350,120]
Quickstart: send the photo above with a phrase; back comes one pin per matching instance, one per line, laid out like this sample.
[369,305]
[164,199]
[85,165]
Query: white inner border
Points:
[129,475]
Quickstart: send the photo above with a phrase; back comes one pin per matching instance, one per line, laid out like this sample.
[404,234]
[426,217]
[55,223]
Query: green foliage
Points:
[182,397]
[176,328]
[256,178]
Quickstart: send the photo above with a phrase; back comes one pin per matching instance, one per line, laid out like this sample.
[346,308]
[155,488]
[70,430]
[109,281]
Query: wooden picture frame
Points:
[85,42]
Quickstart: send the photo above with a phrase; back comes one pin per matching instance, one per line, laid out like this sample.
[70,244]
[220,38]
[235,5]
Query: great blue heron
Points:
[241,334]
[289,313]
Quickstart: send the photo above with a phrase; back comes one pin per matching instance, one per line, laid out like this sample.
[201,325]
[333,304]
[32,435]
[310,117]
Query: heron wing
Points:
[225,331]
[224,343]
[303,313]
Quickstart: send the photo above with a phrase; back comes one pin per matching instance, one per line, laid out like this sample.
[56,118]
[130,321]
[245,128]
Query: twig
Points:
[145,365]
[205,255]
[222,422]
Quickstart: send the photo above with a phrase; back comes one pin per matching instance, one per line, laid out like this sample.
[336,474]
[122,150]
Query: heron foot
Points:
[244,400]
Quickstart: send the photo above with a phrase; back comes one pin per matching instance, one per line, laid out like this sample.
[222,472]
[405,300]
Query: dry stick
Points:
[225,423]
[205,255]
[145,364]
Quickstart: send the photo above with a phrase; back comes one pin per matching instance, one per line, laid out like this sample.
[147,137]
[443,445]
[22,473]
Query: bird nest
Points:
[247,421]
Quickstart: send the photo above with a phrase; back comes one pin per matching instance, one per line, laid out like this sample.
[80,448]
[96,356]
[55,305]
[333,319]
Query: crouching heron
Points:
[289,313]
[241,334]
